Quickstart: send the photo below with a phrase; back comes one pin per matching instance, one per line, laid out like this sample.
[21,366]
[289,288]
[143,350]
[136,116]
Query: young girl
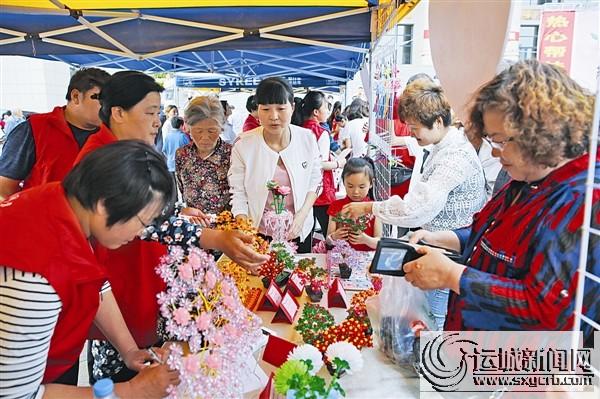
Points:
[358,180]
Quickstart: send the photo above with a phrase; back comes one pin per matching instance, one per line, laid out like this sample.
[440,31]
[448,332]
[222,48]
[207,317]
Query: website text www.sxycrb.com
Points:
[533,381]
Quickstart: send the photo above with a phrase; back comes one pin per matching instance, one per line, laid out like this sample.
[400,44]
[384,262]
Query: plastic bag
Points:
[398,314]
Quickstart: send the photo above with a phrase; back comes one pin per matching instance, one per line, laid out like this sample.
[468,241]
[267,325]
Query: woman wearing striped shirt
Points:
[51,287]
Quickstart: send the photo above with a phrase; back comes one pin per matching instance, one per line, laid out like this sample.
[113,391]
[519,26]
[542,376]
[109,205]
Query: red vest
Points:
[250,123]
[328,194]
[130,270]
[55,148]
[103,137]
[39,233]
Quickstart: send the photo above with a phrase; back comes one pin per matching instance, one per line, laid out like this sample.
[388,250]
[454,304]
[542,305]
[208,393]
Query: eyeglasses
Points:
[95,96]
[498,145]
[142,222]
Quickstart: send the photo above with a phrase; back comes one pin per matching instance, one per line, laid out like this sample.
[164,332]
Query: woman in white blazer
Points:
[276,148]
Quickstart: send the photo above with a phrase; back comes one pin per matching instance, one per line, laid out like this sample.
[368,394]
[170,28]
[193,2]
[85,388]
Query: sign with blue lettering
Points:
[231,82]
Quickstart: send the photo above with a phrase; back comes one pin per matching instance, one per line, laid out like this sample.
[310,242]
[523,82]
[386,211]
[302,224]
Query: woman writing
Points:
[52,286]
[130,105]
[520,255]
[277,151]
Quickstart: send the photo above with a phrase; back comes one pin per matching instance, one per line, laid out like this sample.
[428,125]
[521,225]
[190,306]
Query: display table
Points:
[379,377]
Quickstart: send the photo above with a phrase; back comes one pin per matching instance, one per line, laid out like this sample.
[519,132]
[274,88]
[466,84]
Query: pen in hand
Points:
[155,356]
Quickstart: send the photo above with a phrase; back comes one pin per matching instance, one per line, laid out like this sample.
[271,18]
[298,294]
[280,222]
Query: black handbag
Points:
[399,174]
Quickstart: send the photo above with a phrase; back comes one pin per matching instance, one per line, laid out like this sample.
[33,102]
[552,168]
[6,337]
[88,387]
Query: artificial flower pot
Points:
[282,278]
[265,282]
[345,271]
[315,296]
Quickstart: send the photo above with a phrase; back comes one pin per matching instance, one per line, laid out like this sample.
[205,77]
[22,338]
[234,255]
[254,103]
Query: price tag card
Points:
[288,308]
[336,296]
[269,391]
[295,284]
[277,350]
[272,298]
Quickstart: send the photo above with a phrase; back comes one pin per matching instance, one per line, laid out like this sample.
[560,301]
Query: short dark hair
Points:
[86,79]
[357,109]
[224,105]
[251,105]
[274,90]
[336,111]
[176,122]
[125,89]
[311,101]
[127,175]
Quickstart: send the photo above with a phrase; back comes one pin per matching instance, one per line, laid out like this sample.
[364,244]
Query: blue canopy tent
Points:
[312,44]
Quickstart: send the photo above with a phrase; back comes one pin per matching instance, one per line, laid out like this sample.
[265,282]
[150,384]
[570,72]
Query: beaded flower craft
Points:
[202,307]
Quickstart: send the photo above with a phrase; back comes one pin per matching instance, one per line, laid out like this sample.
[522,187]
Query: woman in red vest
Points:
[311,113]
[130,106]
[52,286]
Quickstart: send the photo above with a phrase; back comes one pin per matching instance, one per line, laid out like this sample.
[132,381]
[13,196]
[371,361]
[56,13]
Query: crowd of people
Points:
[92,191]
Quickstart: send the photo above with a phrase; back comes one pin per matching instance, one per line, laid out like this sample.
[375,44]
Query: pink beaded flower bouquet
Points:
[202,307]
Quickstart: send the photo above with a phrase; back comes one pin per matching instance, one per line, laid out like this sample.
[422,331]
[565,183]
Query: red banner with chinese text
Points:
[556,38]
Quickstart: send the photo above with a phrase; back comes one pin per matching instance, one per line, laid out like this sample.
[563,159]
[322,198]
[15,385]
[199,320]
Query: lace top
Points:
[450,191]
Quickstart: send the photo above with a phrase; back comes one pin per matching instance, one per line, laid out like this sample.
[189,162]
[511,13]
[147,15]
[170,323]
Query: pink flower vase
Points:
[278,225]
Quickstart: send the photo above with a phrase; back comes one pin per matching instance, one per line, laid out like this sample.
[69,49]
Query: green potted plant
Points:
[297,379]
[314,278]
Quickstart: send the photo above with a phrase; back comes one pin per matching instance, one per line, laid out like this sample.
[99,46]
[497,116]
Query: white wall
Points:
[586,49]
[421,51]
[32,84]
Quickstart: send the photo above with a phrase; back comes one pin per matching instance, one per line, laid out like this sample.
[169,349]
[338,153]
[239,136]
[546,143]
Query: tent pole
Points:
[313,42]
[321,18]
[192,24]
[83,27]
[85,47]
[12,40]
[193,45]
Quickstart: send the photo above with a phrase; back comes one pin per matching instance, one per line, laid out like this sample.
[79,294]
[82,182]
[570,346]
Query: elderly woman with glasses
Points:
[201,166]
[520,255]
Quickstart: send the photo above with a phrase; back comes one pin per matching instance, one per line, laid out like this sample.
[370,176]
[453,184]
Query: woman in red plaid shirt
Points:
[520,255]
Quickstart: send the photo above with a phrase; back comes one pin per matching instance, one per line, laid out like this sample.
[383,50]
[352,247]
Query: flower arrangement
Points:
[354,225]
[358,308]
[226,221]
[346,258]
[279,193]
[313,277]
[279,266]
[314,320]
[296,378]
[350,330]
[277,222]
[202,307]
